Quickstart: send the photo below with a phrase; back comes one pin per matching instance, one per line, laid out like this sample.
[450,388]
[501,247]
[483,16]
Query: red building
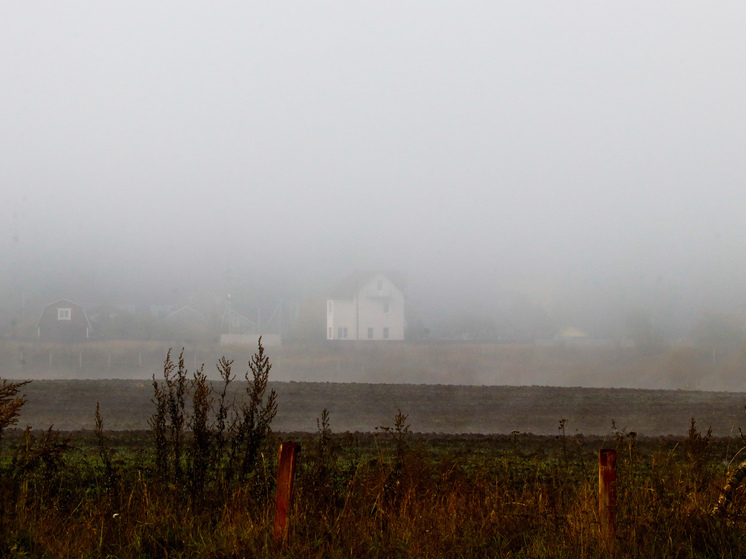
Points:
[63,321]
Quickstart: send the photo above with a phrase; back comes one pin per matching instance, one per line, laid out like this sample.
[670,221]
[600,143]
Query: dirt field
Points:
[443,387]
[125,404]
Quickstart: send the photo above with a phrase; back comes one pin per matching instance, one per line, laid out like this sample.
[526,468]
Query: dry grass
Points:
[376,496]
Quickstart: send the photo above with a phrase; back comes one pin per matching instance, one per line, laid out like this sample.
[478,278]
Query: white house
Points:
[367,306]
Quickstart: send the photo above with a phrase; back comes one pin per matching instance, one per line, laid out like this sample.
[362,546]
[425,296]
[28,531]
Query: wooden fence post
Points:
[607,494]
[285,479]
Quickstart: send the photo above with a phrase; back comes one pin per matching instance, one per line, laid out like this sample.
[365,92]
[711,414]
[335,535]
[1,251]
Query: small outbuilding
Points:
[63,321]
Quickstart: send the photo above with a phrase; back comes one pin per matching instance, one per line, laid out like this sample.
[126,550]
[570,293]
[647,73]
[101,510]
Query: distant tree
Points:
[468,326]
[719,333]
[641,329]
[518,318]
[508,316]
[310,325]
[415,330]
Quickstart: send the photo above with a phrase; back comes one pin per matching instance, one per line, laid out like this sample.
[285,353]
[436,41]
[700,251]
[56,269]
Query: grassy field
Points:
[385,470]
[385,494]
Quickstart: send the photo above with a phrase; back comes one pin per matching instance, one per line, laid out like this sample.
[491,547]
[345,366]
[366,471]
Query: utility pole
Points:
[230,321]
[357,305]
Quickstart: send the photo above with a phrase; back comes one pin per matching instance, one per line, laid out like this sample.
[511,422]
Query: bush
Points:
[225,438]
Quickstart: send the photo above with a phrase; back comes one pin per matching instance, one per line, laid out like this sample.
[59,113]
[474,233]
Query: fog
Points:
[583,158]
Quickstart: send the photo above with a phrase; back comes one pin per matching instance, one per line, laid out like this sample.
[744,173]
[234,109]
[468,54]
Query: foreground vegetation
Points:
[200,482]
[376,495]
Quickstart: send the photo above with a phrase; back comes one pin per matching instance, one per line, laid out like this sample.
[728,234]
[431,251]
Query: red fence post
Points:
[285,479]
[607,494]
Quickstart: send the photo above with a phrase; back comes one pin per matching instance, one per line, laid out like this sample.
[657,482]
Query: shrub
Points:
[224,437]
[10,403]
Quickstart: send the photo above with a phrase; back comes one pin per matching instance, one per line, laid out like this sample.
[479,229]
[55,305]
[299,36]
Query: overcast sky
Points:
[574,151]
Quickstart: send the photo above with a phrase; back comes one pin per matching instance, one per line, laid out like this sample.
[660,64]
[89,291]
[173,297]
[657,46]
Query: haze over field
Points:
[585,158]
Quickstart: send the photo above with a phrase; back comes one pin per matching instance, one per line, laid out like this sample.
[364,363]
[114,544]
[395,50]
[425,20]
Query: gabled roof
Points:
[355,281]
[59,303]
[233,314]
[237,320]
[161,310]
[185,312]
[236,317]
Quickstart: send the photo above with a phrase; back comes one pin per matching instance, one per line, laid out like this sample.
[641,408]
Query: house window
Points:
[64,314]
[329,307]
[386,308]
[329,333]
[385,333]
[342,332]
[370,333]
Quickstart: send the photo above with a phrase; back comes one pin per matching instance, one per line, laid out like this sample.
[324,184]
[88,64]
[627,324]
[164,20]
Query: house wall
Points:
[372,301]
[52,328]
[342,316]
